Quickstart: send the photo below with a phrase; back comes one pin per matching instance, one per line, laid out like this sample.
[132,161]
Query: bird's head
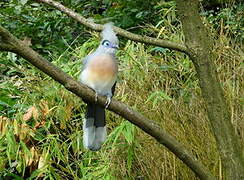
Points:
[110,42]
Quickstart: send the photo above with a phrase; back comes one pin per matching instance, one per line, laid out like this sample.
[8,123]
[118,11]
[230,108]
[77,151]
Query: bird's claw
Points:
[108,101]
[96,96]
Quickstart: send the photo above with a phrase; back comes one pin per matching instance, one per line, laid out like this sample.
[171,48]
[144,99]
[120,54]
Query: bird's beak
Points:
[116,46]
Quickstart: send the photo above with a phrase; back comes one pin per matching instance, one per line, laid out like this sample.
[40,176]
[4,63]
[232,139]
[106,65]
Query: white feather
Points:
[109,34]
[101,134]
[88,134]
[93,137]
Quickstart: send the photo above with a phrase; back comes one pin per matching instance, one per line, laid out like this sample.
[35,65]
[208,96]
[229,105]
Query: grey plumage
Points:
[99,73]
[109,34]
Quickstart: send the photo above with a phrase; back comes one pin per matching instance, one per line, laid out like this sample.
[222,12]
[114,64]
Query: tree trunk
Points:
[200,48]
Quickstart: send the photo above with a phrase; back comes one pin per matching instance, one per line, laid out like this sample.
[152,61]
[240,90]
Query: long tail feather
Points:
[88,133]
[94,129]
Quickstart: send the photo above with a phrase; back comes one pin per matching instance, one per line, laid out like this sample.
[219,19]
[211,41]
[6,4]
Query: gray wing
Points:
[86,59]
[85,62]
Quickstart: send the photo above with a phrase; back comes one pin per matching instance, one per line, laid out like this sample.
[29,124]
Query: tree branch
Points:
[201,53]
[119,108]
[119,31]
[5,43]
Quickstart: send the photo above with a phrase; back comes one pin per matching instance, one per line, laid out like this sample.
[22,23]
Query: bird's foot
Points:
[96,96]
[108,101]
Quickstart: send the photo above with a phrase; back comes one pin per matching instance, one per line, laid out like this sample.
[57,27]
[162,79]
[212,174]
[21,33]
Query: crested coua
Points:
[99,72]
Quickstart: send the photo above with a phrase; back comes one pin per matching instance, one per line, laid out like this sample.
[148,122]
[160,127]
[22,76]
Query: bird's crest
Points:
[109,34]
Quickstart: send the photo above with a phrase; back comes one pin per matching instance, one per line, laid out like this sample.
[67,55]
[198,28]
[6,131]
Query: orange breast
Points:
[102,68]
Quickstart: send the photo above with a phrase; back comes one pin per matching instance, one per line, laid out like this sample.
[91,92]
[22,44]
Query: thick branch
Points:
[200,47]
[123,110]
[5,43]
[119,31]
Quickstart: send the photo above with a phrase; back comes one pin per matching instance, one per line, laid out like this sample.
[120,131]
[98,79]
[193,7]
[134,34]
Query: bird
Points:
[99,72]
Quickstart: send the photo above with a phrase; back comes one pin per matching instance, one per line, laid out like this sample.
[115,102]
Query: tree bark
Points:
[200,48]
[10,43]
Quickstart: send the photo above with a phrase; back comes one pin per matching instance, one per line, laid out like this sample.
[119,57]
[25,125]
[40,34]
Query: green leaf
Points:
[23,2]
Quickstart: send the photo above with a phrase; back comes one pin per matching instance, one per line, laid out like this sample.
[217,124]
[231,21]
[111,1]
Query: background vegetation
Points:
[41,122]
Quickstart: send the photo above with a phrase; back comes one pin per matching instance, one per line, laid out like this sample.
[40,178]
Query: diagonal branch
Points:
[88,95]
[119,31]
[5,40]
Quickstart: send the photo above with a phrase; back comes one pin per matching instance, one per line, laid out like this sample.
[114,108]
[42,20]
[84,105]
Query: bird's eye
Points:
[106,43]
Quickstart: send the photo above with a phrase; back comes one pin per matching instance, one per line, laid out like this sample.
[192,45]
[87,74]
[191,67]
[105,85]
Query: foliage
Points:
[125,14]
[41,122]
[228,20]
[49,29]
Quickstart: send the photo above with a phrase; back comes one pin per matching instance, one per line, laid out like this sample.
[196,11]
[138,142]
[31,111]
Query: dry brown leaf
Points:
[41,162]
[39,124]
[35,113]
[34,156]
[31,112]
[3,118]
[4,121]
[44,108]
[24,131]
